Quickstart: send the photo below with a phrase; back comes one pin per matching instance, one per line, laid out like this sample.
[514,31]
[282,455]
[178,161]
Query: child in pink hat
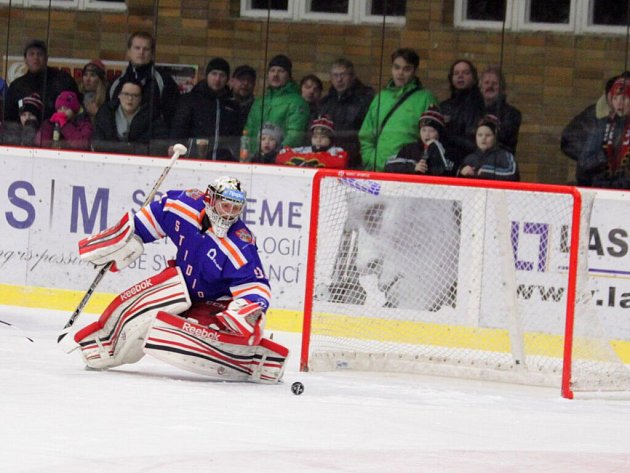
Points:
[68,127]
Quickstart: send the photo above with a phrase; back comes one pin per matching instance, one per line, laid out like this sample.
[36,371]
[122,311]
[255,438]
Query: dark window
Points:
[272,4]
[388,7]
[329,6]
[485,10]
[545,11]
[610,12]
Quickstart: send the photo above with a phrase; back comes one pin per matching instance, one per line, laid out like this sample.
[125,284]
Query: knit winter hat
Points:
[281,61]
[218,64]
[37,44]
[68,99]
[273,130]
[491,121]
[325,123]
[32,103]
[244,70]
[432,117]
[97,67]
[621,86]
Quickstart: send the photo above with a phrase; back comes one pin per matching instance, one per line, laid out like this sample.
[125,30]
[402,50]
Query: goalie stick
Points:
[178,150]
[16,328]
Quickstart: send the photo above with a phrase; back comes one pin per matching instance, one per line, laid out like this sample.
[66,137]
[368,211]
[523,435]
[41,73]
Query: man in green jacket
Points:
[282,104]
[384,131]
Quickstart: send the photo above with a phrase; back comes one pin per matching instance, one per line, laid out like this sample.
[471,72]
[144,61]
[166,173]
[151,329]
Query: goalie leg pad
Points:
[217,355]
[118,336]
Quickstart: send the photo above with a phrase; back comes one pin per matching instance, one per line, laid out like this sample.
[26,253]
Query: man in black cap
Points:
[281,105]
[242,84]
[40,79]
[207,118]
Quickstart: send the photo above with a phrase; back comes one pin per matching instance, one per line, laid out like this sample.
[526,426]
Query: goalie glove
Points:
[244,318]
[118,244]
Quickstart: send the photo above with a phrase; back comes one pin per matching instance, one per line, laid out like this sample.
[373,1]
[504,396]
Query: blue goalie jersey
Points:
[214,268]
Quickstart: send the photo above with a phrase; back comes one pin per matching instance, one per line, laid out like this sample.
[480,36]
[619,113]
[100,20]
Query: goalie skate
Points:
[192,347]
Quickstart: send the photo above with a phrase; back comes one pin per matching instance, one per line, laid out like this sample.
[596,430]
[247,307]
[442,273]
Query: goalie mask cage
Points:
[455,277]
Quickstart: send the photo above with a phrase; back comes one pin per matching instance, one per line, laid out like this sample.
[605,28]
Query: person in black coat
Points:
[346,104]
[207,118]
[124,125]
[493,87]
[462,110]
[159,90]
[45,81]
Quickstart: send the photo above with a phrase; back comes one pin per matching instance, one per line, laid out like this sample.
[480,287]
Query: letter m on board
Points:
[88,214]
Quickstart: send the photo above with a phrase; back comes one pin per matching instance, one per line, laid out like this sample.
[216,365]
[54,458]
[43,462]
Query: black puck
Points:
[297,388]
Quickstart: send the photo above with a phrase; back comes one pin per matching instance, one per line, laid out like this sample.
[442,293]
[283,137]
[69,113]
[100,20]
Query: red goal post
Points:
[457,277]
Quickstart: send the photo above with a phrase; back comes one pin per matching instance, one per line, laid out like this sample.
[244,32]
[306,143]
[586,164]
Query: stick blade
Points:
[66,342]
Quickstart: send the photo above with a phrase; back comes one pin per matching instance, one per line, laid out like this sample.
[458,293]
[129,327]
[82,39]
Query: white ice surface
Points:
[55,416]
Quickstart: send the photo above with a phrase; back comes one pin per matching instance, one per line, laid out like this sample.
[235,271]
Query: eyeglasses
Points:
[127,95]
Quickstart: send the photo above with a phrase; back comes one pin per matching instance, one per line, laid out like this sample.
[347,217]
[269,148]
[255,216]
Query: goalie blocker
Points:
[142,320]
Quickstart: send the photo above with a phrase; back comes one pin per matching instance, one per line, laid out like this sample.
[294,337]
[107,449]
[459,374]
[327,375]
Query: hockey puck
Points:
[297,388]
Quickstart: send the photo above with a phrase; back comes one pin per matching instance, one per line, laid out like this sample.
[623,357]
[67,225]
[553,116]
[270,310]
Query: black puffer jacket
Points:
[461,113]
[347,112]
[204,113]
[509,122]
[159,89]
[48,83]
[142,132]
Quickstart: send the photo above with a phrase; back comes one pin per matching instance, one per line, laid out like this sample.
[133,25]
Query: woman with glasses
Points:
[123,125]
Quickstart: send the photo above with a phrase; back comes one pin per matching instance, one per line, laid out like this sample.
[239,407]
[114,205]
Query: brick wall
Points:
[550,76]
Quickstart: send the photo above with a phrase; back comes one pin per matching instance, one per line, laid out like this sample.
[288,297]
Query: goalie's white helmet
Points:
[224,201]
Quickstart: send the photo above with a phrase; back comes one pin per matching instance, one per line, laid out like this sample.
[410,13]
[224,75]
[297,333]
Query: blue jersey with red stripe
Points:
[214,268]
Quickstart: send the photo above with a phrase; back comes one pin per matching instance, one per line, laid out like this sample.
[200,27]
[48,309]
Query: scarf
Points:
[616,144]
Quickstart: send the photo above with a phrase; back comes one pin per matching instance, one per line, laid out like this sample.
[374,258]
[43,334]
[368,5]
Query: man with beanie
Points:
[281,104]
[39,78]
[159,90]
[207,118]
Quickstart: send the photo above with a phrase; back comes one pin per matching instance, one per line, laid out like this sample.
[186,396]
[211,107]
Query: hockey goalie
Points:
[205,313]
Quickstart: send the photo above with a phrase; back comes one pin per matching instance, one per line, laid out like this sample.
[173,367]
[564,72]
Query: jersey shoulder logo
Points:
[195,194]
[244,235]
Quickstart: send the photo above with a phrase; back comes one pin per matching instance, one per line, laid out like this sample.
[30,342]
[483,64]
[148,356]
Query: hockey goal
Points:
[457,277]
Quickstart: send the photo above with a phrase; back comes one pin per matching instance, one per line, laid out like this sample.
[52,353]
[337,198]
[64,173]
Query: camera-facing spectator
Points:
[46,81]
[346,104]
[123,125]
[427,155]
[242,85]
[489,160]
[159,90]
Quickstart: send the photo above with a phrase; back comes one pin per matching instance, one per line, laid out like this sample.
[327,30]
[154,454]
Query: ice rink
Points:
[148,417]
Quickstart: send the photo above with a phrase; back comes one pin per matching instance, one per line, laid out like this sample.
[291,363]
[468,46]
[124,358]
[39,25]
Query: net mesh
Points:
[447,279]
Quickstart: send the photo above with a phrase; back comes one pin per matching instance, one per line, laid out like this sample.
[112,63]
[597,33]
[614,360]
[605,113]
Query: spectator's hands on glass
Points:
[422,166]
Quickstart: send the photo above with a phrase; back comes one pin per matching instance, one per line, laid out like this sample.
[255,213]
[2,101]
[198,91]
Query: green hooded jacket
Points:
[285,108]
[377,145]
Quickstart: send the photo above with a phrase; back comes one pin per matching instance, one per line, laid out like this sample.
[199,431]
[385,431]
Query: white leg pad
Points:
[118,336]
[218,355]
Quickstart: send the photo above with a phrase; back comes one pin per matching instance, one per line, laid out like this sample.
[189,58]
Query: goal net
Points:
[456,277]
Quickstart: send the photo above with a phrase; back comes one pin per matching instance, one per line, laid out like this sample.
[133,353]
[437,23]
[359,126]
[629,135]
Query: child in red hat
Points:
[321,154]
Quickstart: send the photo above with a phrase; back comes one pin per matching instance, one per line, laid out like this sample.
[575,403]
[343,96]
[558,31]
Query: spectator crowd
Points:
[402,128]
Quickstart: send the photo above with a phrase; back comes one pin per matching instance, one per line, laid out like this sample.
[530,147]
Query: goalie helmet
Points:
[224,201]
